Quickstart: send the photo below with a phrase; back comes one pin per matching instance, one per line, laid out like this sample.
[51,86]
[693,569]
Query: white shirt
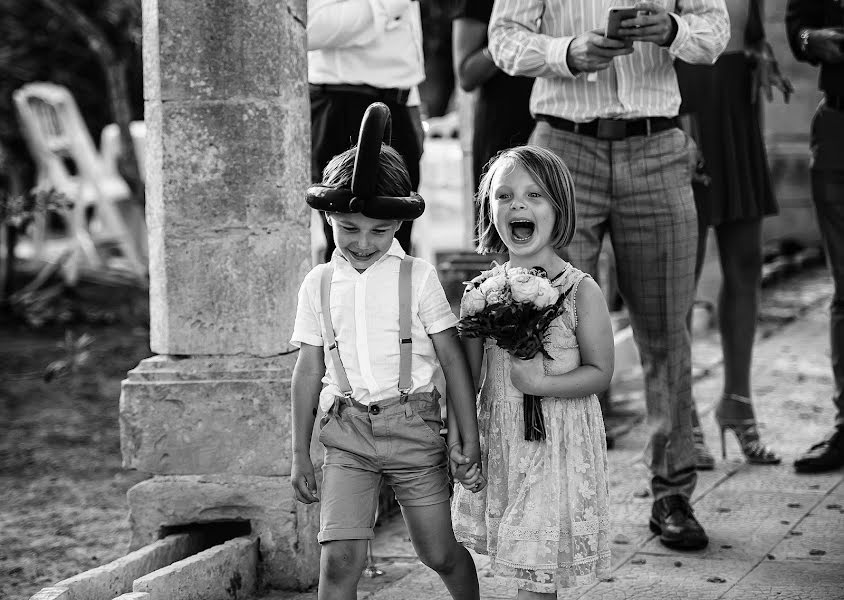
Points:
[365,313]
[372,42]
[532,37]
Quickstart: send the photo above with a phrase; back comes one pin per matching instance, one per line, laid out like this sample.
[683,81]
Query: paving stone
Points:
[627,540]
[659,578]
[822,530]
[779,478]
[749,522]
[837,495]
[785,580]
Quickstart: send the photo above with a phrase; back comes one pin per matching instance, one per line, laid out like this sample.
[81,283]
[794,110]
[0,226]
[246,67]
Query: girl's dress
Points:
[544,516]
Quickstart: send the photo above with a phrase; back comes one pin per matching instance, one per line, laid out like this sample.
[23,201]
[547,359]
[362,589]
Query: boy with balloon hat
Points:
[373,326]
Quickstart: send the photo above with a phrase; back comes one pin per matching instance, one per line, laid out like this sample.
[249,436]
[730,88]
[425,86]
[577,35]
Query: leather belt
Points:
[836,102]
[612,129]
[393,95]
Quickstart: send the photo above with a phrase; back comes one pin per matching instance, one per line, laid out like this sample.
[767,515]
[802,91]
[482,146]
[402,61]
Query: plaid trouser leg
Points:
[639,190]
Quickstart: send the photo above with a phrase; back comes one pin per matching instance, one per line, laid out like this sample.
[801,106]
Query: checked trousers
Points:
[638,192]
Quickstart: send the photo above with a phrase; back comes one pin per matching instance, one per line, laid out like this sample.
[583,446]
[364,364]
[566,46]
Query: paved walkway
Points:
[773,533]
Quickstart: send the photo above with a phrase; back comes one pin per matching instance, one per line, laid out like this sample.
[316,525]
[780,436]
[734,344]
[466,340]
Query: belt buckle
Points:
[611,129]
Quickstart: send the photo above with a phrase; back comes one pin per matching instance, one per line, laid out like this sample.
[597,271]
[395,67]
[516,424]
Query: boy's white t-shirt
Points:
[365,314]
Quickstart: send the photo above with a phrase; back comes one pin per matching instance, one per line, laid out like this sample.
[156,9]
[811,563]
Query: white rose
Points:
[473,302]
[524,287]
[547,295]
[493,286]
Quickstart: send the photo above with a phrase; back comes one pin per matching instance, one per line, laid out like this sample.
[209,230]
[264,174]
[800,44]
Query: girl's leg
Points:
[434,542]
[740,249]
[340,566]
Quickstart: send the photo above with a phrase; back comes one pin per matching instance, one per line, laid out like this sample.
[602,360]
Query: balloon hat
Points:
[375,128]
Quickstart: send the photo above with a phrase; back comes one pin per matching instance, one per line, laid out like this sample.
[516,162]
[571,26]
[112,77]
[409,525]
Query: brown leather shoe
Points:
[672,518]
[826,455]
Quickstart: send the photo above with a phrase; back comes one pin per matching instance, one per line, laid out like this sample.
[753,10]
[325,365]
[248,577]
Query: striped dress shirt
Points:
[532,37]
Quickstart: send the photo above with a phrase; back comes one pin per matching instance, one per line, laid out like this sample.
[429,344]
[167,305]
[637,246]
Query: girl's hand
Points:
[528,375]
[473,480]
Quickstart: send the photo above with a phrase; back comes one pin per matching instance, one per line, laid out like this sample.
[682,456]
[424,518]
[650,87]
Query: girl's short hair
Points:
[551,175]
[393,178]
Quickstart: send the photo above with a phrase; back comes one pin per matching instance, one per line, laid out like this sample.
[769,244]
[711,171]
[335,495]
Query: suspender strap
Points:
[328,325]
[405,342]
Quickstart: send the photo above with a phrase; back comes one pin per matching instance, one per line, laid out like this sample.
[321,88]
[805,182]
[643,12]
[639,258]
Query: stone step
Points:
[222,572]
[109,580]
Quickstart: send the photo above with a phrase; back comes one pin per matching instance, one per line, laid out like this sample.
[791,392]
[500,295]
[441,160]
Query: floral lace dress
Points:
[544,516]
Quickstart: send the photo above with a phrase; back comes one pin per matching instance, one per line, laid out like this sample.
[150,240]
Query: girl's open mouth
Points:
[522,230]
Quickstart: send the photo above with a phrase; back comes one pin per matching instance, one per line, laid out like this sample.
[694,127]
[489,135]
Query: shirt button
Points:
[374,409]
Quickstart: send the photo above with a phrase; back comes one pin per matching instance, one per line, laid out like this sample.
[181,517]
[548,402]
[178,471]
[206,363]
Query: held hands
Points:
[303,481]
[766,73]
[466,467]
[827,45]
[527,375]
[653,25]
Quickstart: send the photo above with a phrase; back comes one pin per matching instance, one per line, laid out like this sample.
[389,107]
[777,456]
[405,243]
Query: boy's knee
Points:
[441,560]
[342,560]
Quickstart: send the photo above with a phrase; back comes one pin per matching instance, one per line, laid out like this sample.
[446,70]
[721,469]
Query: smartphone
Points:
[616,16]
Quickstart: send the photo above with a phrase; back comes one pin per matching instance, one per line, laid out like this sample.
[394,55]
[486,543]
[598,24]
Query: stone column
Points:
[226,108]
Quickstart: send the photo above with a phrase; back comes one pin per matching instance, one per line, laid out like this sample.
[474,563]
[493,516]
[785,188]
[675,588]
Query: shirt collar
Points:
[395,249]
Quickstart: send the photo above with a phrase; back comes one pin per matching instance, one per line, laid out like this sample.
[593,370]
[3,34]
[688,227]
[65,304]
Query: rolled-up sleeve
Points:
[518,48]
[434,311]
[703,30]
[307,328]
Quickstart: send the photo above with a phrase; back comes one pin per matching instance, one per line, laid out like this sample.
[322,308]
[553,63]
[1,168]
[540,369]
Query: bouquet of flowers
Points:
[514,307]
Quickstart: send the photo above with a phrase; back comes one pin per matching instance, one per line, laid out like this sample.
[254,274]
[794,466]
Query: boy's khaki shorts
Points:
[396,441]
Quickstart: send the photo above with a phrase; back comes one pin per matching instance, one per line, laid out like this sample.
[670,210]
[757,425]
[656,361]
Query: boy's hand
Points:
[464,459]
[458,462]
[527,375]
[303,481]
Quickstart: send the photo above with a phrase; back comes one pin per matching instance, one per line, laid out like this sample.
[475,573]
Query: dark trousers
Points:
[335,125]
[827,141]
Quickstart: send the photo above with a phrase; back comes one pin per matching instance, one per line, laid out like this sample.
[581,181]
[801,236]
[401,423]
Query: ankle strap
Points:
[736,398]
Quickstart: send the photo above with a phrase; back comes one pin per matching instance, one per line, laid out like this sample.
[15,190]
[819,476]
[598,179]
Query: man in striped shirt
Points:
[608,107]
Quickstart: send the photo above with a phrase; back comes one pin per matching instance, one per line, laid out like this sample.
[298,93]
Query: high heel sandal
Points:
[755,452]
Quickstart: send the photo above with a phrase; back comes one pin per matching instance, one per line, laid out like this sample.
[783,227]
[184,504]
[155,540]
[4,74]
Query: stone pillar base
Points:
[287,529]
[185,416]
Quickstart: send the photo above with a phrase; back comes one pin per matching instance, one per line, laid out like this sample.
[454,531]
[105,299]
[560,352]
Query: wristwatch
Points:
[804,41]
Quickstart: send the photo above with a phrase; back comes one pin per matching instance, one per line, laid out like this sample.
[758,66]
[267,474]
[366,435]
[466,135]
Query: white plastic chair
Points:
[58,140]
[110,146]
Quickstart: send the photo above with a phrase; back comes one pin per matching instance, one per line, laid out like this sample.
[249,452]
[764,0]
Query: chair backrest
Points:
[56,133]
[110,146]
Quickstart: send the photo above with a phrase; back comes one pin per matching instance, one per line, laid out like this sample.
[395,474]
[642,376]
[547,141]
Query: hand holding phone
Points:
[616,16]
[644,22]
